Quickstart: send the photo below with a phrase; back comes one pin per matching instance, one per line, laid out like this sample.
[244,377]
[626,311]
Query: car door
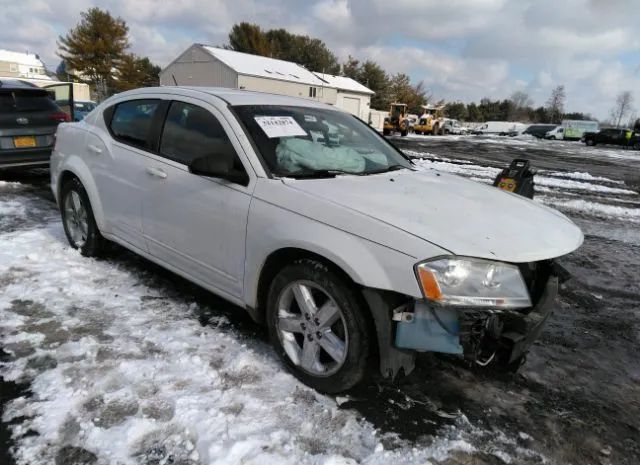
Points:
[119,165]
[196,223]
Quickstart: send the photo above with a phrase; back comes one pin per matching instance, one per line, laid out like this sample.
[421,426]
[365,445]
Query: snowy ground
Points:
[119,362]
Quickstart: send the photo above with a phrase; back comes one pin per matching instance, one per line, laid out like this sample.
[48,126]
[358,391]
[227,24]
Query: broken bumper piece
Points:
[483,336]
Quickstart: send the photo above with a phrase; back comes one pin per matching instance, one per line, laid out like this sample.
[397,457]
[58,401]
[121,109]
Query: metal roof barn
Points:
[205,65]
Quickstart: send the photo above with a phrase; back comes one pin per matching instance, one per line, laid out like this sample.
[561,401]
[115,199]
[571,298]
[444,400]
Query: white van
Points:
[501,128]
[555,134]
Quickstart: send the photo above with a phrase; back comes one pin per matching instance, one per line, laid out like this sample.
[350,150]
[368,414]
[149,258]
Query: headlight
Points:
[472,282]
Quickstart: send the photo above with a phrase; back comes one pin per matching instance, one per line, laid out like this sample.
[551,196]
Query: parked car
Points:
[82,108]
[336,241]
[634,143]
[539,130]
[613,136]
[28,121]
[453,126]
[555,134]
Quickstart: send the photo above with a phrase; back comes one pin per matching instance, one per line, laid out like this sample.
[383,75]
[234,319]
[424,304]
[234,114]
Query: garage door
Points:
[352,105]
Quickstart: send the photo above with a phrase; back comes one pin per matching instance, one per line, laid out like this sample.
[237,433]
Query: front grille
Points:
[536,275]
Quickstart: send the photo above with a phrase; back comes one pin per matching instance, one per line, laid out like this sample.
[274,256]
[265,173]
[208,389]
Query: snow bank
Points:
[124,371]
[592,208]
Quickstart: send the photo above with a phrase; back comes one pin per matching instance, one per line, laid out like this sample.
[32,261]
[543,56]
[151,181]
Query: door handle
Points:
[157,172]
[95,149]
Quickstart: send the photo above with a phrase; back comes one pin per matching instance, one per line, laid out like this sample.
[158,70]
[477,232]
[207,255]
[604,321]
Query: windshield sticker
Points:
[310,118]
[279,126]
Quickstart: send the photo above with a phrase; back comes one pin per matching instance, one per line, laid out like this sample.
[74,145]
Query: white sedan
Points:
[315,224]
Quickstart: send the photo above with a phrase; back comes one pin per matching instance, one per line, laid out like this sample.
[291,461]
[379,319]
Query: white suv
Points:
[306,217]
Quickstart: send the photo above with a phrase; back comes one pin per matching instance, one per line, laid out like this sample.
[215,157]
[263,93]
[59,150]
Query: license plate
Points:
[508,184]
[24,141]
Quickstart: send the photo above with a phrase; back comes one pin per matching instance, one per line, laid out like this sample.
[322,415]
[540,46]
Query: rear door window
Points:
[132,122]
[192,132]
[20,101]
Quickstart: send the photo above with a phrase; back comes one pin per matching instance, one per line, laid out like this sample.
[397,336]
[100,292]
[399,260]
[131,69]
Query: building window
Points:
[312,92]
[13,67]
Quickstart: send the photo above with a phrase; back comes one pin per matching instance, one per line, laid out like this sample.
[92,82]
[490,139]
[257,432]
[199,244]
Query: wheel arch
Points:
[74,169]
[276,261]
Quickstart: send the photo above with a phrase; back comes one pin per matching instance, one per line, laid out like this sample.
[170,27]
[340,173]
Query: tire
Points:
[590,142]
[326,373]
[78,221]
[385,132]
[403,132]
[552,137]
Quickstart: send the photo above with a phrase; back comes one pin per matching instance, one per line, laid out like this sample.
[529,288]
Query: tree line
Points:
[95,51]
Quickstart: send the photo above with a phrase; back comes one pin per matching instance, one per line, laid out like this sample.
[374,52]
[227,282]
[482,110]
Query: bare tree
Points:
[555,104]
[520,105]
[623,106]
[521,99]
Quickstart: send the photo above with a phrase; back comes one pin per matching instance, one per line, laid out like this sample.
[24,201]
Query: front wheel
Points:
[78,221]
[590,142]
[317,325]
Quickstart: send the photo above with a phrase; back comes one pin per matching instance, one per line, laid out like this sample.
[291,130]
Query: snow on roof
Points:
[256,65]
[344,83]
[29,59]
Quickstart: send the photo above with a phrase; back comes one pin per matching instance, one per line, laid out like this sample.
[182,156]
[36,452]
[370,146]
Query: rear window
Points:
[25,101]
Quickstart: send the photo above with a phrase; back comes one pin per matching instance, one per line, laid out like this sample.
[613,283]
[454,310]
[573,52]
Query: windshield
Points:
[299,141]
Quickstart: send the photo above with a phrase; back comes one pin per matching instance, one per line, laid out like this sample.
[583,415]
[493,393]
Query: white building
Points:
[22,65]
[351,96]
[203,65]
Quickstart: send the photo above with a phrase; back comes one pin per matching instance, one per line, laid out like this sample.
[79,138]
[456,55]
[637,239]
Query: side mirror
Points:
[219,165]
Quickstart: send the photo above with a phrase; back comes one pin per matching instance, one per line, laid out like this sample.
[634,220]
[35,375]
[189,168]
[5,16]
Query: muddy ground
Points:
[575,401]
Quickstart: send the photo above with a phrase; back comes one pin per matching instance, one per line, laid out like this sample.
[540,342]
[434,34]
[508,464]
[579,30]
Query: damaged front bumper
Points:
[486,336]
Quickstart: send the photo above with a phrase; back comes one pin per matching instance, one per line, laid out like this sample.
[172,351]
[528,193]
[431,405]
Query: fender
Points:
[76,165]
[368,264]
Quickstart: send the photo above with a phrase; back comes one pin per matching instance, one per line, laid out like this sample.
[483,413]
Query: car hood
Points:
[464,217]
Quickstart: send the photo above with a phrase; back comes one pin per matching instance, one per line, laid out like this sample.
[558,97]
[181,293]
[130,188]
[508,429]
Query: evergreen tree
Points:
[402,91]
[456,110]
[474,114]
[311,53]
[94,48]
[249,38]
[135,72]
[351,68]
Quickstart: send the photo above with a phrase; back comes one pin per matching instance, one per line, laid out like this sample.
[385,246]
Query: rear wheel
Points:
[590,142]
[386,132]
[78,221]
[317,325]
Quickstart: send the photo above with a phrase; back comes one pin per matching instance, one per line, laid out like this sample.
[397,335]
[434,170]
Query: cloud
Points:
[461,49]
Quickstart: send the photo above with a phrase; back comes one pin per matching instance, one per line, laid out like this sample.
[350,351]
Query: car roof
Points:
[231,96]
[18,84]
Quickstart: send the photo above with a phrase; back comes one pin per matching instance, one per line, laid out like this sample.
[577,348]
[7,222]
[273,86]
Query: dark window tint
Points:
[192,132]
[23,101]
[131,122]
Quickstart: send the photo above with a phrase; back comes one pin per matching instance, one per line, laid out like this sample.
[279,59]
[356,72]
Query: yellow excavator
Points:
[397,120]
[431,121]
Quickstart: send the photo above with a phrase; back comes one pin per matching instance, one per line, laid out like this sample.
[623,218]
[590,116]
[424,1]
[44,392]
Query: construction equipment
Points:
[397,120]
[432,120]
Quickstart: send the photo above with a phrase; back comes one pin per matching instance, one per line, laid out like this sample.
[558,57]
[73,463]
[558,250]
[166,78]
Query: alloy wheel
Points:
[76,219]
[311,328]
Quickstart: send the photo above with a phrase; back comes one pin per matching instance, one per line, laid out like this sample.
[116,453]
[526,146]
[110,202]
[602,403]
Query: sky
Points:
[462,49]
